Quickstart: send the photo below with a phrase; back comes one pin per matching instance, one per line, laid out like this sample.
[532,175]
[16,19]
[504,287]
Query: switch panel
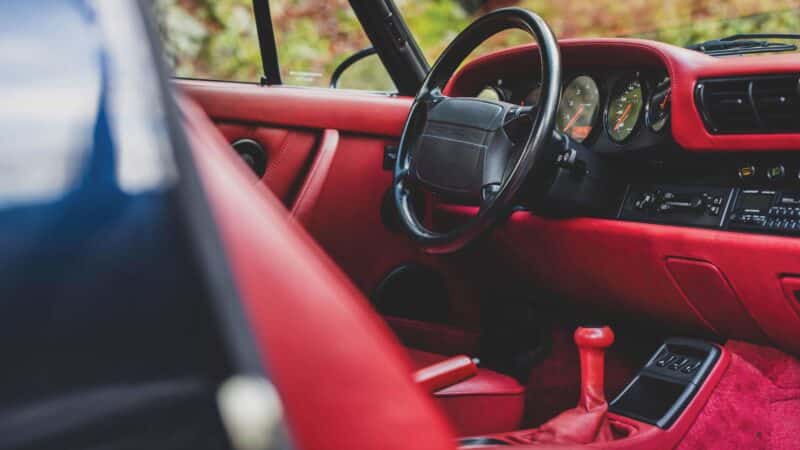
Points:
[677,205]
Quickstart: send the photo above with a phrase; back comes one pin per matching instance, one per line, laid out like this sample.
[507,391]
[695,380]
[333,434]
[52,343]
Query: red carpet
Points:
[755,406]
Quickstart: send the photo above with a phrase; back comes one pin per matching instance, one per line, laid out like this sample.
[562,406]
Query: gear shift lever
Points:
[587,422]
[592,343]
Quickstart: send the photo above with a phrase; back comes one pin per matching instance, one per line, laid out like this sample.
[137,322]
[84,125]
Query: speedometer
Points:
[624,108]
[577,111]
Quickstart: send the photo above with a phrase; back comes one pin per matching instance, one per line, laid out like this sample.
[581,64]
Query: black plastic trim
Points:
[761,124]
[636,406]
[267,43]
[393,42]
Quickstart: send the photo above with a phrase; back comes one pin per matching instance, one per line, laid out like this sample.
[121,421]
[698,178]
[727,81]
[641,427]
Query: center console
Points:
[656,408]
[667,383]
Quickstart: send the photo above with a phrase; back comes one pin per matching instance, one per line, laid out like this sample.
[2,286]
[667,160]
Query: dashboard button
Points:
[667,359]
[748,173]
[776,173]
[691,367]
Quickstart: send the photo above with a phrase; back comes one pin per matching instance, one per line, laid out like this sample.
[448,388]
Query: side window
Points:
[314,37]
[214,39]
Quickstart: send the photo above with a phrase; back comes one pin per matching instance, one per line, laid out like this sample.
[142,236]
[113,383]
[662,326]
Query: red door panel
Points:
[288,154]
[326,156]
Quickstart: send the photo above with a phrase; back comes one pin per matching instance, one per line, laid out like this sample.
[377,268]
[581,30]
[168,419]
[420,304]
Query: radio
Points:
[766,210]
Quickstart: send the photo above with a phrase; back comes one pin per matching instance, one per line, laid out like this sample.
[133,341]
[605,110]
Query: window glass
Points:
[214,39]
[435,23]
[314,36]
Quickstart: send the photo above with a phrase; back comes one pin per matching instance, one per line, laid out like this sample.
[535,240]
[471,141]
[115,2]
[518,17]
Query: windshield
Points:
[217,39]
[434,23]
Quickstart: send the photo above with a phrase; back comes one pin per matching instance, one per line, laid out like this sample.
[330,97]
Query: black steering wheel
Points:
[463,149]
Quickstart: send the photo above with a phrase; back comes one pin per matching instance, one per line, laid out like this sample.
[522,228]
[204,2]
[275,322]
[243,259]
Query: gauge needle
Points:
[574,118]
[663,104]
[622,118]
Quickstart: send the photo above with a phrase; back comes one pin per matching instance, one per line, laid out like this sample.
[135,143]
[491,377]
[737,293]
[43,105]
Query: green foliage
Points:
[210,39]
[217,38]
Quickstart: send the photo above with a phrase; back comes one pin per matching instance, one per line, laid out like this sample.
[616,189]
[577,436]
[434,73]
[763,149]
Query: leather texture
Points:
[320,109]
[307,197]
[434,337]
[588,422]
[466,403]
[685,68]
[343,378]
[623,268]
[288,154]
[445,373]
[705,287]
[791,289]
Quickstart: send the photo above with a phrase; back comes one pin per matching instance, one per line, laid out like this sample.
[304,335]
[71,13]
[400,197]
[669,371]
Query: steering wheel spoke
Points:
[519,121]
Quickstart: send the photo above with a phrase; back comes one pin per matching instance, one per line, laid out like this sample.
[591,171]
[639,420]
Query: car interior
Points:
[608,223]
[568,243]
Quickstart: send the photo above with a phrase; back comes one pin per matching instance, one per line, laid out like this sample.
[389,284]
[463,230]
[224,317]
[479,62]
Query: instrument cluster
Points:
[608,112]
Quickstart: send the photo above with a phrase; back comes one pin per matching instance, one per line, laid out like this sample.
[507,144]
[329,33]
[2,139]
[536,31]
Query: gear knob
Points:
[594,337]
[592,343]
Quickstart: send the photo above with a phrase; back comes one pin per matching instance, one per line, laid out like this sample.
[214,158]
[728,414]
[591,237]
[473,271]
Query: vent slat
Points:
[758,104]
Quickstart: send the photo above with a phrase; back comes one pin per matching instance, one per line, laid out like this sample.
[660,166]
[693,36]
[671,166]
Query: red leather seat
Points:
[488,402]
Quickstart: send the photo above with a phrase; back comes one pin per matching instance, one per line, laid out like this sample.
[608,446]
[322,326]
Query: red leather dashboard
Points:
[685,68]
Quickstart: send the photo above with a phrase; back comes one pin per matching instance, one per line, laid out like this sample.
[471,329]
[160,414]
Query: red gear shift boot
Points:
[587,422]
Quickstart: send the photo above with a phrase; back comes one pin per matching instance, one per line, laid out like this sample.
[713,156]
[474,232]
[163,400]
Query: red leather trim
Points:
[467,403]
[309,193]
[445,373]
[592,344]
[620,266]
[685,68]
[486,381]
[434,337]
[587,422]
[288,153]
[300,107]
[704,286]
[791,288]
[341,374]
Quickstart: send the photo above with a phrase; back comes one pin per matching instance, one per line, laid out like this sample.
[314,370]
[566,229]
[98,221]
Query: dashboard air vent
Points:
[765,104]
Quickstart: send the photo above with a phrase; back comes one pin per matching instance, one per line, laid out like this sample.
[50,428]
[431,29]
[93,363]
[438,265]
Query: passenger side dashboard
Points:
[700,232]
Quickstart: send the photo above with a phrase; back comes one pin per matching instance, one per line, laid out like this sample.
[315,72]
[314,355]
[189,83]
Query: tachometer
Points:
[578,109]
[624,108]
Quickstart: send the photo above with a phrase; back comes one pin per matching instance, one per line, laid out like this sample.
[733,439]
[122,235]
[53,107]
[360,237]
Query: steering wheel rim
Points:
[543,121]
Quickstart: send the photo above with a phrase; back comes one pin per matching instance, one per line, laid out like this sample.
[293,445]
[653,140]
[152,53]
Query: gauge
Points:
[490,93]
[532,99]
[624,108]
[577,111]
[658,106]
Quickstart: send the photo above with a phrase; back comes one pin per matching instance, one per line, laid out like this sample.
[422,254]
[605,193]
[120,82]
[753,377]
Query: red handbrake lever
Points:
[445,373]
